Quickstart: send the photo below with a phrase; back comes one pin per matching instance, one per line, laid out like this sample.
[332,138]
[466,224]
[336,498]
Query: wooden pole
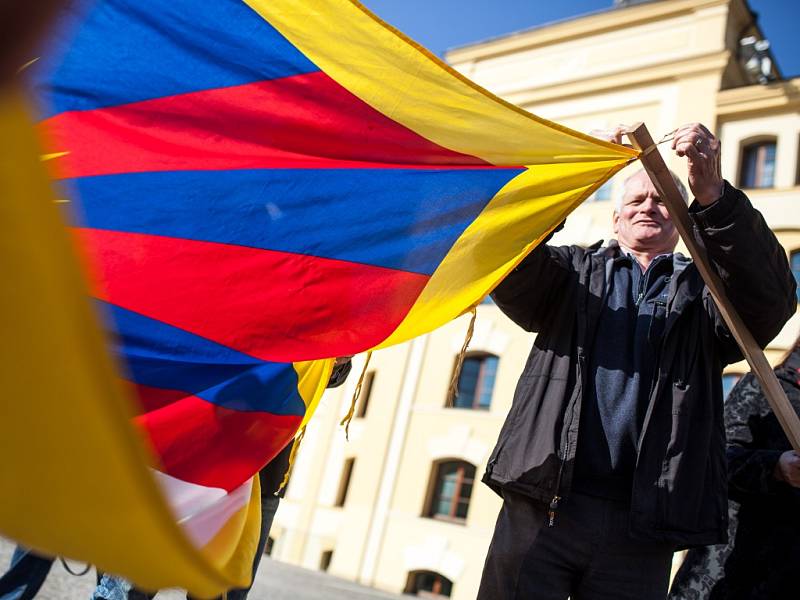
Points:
[655,167]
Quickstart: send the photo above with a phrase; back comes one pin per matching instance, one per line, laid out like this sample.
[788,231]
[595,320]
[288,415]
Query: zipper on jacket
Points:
[643,282]
[551,512]
[643,277]
[553,506]
[556,499]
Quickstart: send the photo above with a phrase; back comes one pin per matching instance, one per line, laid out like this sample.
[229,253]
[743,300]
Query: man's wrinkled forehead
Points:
[641,184]
[637,187]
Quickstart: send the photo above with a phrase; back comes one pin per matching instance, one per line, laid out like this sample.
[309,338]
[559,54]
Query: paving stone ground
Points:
[274,581]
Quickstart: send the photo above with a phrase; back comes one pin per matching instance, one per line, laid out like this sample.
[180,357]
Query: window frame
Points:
[412,585]
[605,193]
[366,393]
[759,144]
[434,498]
[797,166]
[344,482]
[484,357]
[325,559]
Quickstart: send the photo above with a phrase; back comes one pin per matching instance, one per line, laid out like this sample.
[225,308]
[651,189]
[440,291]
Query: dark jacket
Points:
[766,550]
[761,558]
[680,476]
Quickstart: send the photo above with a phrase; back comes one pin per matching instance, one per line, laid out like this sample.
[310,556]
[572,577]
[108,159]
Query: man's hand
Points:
[699,145]
[787,469]
[613,135]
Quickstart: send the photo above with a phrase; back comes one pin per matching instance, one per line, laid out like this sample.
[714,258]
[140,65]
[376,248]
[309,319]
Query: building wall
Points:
[664,63]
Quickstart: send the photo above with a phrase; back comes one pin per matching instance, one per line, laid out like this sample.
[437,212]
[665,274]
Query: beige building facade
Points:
[399,506]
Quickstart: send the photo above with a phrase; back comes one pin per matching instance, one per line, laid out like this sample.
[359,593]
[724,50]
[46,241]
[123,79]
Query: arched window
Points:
[428,584]
[758,165]
[795,260]
[476,382]
[450,490]
[728,381]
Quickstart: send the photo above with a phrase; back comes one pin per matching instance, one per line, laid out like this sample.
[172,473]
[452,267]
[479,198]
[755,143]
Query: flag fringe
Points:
[349,416]
[292,455]
[453,394]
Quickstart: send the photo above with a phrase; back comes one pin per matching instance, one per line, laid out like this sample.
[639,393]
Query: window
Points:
[758,165]
[488,300]
[603,193]
[797,170]
[728,381]
[795,259]
[344,482]
[427,584]
[476,382]
[366,391]
[451,490]
[325,560]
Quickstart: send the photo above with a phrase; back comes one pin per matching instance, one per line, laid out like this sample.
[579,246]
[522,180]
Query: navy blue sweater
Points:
[622,370]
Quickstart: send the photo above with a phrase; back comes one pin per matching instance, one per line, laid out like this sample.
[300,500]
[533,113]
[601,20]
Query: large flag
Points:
[255,187]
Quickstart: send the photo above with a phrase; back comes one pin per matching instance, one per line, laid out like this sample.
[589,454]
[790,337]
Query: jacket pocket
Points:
[691,492]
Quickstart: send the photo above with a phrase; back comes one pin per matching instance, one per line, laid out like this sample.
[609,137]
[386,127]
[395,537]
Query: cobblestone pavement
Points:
[274,581]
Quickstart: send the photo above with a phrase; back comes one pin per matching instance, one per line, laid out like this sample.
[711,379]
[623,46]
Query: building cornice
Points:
[668,70]
[593,24]
[781,95]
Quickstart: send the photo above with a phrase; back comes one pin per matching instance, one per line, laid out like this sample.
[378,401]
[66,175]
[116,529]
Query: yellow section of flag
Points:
[66,421]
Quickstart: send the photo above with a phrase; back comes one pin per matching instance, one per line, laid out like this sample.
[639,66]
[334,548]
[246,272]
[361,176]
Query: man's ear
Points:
[615,222]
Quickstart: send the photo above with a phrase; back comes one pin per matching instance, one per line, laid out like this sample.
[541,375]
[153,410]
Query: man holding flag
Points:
[204,149]
[613,454]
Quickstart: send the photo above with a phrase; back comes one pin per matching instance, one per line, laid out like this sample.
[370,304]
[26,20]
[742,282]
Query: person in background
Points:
[761,558]
[25,576]
[22,24]
[113,587]
[613,453]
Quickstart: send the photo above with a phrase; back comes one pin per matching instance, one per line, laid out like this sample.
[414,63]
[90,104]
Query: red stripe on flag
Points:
[206,444]
[151,398]
[276,306]
[304,121]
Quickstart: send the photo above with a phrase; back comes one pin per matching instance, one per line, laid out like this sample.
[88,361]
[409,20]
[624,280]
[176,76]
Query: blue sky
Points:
[442,24]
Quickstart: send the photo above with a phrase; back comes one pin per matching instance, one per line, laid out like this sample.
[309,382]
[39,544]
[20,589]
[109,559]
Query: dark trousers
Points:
[587,555]
[25,576]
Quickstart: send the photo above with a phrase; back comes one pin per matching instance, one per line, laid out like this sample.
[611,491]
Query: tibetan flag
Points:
[256,187]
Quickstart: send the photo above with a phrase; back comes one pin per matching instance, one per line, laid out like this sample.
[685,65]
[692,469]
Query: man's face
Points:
[643,223]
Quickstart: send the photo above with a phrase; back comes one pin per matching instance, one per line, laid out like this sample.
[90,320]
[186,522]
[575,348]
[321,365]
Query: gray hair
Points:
[675,178]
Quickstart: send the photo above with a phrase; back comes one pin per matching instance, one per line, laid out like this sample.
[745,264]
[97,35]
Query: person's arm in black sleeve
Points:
[743,251]
[526,292]
[751,264]
[751,468]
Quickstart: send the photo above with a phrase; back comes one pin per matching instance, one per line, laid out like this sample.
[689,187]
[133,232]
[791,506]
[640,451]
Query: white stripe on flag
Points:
[202,511]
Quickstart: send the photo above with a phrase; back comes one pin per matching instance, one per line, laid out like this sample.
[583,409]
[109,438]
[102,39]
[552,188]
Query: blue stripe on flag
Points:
[161,356]
[131,50]
[402,219]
